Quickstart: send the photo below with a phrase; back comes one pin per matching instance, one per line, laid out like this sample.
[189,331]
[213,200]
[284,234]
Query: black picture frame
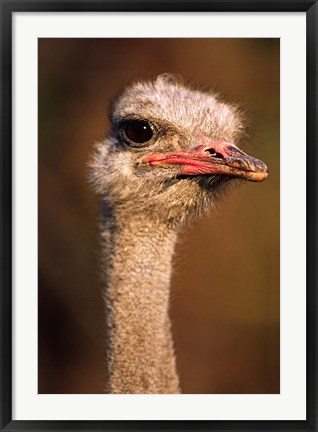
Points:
[7,9]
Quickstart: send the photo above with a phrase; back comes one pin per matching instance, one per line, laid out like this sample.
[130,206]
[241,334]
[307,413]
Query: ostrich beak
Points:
[213,157]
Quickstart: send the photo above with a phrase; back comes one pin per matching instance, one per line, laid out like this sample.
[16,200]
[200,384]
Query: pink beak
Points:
[214,157]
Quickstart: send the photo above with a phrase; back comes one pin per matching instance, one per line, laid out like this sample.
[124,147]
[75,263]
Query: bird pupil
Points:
[138,131]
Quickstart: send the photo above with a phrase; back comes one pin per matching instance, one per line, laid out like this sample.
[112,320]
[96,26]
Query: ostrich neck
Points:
[138,254]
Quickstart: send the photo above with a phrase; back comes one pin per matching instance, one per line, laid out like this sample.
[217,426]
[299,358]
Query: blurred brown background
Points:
[225,306]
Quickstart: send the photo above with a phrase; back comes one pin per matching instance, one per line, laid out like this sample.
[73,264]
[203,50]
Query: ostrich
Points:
[169,155]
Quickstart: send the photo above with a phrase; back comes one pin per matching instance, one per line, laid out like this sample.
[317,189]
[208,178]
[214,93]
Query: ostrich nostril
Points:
[213,153]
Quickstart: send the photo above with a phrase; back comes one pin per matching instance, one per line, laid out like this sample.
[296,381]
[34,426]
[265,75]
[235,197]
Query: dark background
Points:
[225,288]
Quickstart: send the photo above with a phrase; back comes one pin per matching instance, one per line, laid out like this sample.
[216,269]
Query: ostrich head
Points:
[170,152]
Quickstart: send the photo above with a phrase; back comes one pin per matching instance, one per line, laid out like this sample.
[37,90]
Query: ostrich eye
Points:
[137,131]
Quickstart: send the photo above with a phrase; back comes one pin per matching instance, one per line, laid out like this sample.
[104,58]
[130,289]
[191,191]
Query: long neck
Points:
[138,255]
